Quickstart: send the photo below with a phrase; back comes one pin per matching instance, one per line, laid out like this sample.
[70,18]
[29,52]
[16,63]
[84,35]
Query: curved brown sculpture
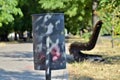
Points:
[76,47]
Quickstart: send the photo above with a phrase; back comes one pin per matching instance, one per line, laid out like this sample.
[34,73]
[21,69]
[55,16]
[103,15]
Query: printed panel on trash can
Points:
[49,25]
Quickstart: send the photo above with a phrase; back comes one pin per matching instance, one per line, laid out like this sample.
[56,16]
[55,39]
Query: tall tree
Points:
[8,10]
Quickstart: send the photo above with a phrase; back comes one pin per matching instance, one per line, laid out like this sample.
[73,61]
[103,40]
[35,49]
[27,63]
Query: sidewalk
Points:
[16,63]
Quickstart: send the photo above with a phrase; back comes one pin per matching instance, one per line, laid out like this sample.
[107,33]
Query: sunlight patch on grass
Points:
[95,71]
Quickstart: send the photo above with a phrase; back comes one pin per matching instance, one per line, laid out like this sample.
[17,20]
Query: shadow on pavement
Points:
[28,75]
[17,54]
[25,75]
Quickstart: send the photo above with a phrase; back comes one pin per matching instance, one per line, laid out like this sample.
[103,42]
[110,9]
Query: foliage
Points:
[28,8]
[6,29]
[109,12]
[8,9]
[16,14]
[78,13]
[86,36]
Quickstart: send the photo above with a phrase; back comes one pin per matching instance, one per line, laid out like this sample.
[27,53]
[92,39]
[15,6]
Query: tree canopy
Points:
[15,15]
[8,8]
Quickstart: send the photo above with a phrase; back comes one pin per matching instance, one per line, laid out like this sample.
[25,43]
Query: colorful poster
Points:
[48,39]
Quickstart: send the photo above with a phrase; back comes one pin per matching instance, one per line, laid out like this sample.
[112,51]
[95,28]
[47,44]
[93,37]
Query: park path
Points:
[16,63]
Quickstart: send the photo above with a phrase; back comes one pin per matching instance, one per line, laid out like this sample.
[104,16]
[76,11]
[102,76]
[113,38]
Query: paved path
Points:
[16,63]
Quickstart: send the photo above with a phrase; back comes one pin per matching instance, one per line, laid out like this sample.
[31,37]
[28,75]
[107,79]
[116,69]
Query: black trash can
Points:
[48,39]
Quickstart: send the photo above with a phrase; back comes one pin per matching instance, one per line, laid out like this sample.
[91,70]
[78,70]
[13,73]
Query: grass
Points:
[107,70]
[94,71]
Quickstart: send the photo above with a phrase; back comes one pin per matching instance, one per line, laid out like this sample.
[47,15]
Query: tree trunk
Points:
[94,15]
[15,36]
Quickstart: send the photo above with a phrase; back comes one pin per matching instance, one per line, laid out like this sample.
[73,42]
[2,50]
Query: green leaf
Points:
[80,18]
[0,24]
[8,8]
